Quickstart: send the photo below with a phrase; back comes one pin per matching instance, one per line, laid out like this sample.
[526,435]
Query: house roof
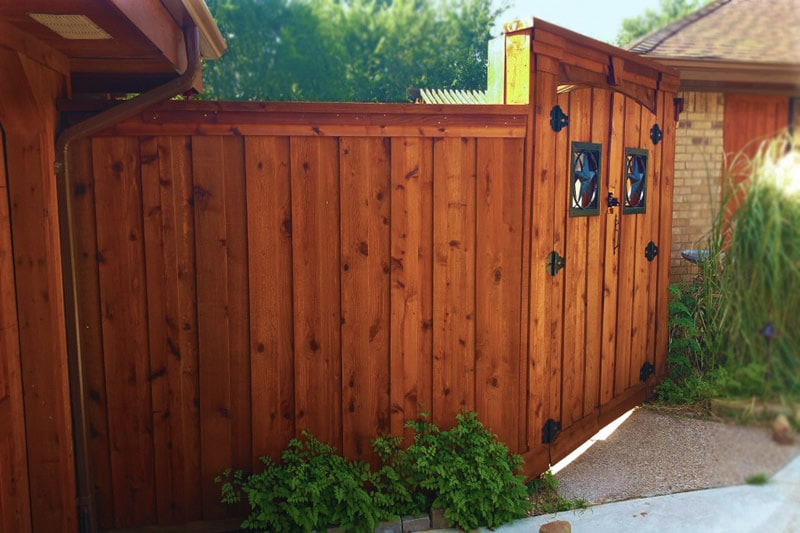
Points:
[755,31]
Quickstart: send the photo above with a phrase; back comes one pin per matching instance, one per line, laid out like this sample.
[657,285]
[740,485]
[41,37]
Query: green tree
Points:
[670,10]
[348,50]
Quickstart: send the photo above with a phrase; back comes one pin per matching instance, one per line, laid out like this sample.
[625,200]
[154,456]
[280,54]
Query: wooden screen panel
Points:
[498,285]
[87,261]
[124,327]
[269,241]
[454,164]
[411,279]
[364,174]
[317,316]
[223,324]
[172,325]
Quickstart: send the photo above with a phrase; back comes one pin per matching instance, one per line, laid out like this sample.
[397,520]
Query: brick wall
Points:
[698,171]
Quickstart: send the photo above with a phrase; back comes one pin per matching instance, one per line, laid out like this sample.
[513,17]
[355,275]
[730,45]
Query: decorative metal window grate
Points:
[635,181]
[585,189]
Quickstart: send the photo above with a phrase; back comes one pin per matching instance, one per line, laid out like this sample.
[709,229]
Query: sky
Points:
[600,19]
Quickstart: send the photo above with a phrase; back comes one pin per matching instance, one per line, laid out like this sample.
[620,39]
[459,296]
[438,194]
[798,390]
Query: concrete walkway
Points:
[774,508]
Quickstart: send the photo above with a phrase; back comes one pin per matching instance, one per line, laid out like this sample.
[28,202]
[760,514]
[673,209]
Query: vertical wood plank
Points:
[269,236]
[238,302]
[453,278]
[543,363]
[595,258]
[315,249]
[214,360]
[411,279]
[641,282]
[614,179]
[169,253]
[15,512]
[124,307]
[365,255]
[87,258]
[560,213]
[665,236]
[653,216]
[579,130]
[498,284]
[627,252]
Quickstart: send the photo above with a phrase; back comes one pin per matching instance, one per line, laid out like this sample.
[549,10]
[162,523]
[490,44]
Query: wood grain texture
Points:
[497,286]
[269,241]
[124,322]
[317,314]
[454,189]
[172,325]
[84,222]
[364,177]
[411,279]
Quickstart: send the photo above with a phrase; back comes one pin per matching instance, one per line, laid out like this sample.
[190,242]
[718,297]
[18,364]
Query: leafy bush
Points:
[311,489]
[465,470]
[736,328]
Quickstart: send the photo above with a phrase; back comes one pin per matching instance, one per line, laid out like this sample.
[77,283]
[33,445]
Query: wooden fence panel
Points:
[239,289]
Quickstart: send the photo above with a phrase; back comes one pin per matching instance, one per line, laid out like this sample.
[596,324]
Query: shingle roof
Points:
[759,31]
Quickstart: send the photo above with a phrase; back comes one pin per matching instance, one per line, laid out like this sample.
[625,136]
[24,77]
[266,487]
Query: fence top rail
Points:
[323,119]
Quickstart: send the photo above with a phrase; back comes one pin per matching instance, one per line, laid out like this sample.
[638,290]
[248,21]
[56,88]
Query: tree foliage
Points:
[348,50]
[652,19]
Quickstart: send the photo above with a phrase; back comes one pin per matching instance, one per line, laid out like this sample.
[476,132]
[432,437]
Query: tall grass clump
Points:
[736,328]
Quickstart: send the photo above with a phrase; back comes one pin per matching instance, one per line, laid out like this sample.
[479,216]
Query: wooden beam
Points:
[13,38]
[157,25]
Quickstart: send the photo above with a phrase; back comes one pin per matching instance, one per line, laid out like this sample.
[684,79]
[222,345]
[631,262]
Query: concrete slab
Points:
[774,507]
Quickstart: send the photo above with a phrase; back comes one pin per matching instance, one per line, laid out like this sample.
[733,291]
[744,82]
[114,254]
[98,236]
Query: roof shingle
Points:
[758,31]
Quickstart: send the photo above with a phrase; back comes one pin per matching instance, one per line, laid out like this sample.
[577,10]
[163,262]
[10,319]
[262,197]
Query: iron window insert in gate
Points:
[584,191]
[635,181]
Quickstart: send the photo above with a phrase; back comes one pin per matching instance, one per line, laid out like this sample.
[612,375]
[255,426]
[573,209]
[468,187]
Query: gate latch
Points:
[651,251]
[550,429]
[647,370]
[554,263]
[613,201]
[558,119]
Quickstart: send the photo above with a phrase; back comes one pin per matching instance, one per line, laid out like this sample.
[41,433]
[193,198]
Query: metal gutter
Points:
[99,122]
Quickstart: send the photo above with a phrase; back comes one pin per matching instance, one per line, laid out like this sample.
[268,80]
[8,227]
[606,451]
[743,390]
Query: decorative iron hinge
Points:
[550,430]
[651,251]
[647,370]
[554,263]
[558,119]
[656,134]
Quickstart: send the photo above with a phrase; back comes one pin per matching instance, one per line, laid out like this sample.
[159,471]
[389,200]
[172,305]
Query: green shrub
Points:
[465,470]
[312,489]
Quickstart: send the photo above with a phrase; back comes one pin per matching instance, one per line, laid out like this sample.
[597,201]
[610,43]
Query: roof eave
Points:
[723,74]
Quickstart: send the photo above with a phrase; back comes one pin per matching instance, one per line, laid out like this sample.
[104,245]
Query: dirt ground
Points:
[654,453]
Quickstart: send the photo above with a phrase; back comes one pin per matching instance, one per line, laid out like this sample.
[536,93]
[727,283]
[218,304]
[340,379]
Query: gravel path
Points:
[653,453]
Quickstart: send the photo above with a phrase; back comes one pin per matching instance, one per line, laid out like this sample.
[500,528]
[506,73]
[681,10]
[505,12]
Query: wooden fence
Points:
[247,271]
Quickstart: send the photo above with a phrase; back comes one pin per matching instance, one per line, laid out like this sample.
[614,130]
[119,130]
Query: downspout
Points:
[181,84]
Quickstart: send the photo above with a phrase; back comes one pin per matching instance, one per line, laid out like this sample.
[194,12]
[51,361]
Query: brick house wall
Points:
[698,166]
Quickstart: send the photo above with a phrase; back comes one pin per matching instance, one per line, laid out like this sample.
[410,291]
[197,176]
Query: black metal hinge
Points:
[558,119]
[656,134]
[651,251]
[554,263]
[647,370]
[550,429]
